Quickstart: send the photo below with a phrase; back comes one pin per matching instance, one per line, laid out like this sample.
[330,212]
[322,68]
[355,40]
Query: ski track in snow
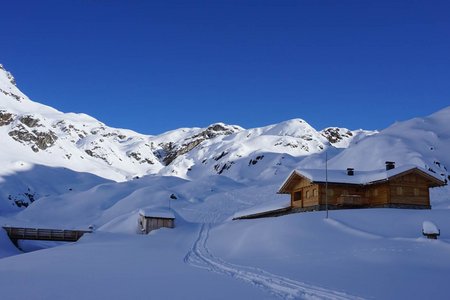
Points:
[199,256]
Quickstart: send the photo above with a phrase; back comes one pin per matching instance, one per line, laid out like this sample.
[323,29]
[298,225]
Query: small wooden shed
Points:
[151,219]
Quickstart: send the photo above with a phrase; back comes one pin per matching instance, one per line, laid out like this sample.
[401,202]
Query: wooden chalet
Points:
[150,219]
[402,187]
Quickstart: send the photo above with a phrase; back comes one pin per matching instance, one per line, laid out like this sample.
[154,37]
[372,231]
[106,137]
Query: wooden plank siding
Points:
[147,224]
[309,192]
[409,189]
[337,192]
[44,234]
[378,194]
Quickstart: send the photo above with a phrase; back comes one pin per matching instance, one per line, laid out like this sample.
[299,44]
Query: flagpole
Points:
[326,182]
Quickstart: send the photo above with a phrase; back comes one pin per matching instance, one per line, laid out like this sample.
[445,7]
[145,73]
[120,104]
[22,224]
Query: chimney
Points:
[390,165]
[350,171]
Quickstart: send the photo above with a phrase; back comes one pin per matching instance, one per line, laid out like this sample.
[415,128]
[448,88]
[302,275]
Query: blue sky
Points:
[153,66]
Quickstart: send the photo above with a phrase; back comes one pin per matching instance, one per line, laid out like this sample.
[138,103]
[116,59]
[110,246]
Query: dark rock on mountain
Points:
[335,135]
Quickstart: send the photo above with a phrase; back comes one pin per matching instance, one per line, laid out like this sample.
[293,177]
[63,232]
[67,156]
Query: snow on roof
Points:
[429,228]
[359,177]
[265,207]
[157,213]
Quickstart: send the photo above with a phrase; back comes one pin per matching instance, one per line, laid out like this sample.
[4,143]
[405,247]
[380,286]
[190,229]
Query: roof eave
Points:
[282,189]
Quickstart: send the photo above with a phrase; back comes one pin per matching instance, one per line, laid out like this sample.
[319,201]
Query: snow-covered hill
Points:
[34,134]
[421,141]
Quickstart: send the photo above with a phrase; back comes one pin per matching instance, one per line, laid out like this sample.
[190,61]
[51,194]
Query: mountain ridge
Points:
[37,135]
[70,140]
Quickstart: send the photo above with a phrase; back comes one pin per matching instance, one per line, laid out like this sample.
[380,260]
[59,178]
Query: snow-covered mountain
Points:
[34,134]
[35,137]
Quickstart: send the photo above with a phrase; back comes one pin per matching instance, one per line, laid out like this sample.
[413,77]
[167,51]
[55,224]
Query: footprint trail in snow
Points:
[199,256]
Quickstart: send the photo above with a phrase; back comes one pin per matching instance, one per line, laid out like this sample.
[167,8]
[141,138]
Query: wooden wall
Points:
[335,191]
[149,223]
[378,194]
[310,194]
[409,189]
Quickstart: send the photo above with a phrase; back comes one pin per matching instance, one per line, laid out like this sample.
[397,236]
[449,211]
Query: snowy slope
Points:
[39,134]
[421,141]
[33,134]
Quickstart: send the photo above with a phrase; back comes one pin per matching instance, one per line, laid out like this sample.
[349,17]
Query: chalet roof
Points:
[359,177]
[160,213]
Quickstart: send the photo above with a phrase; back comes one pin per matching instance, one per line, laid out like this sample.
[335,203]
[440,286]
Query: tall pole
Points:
[326,182]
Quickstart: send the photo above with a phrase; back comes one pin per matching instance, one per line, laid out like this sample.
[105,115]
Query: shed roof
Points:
[157,213]
[359,177]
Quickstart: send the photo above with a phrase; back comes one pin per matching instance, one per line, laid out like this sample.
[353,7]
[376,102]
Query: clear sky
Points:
[153,66]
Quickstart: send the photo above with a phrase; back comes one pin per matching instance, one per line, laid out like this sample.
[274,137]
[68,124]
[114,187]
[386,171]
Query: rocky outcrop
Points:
[172,151]
[94,153]
[215,130]
[139,158]
[30,121]
[335,134]
[38,140]
[6,118]
[16,97]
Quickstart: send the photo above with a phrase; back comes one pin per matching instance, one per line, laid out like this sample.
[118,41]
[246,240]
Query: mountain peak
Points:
[222,127]
[8,75]
[10,95]
[293,127]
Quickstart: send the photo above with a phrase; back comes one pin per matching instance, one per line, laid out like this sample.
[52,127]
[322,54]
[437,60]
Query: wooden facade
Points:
[407,189]
[149,221]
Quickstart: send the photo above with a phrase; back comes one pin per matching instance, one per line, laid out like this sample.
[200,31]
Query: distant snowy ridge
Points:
[36,134]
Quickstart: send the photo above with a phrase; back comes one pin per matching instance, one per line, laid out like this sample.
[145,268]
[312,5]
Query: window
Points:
[298,196]
[416,191]
[399,190]
[315,192]
[375,192]
[307,194]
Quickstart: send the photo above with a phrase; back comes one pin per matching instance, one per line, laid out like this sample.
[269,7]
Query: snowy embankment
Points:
[7,248]
[367,253]
[371,253]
